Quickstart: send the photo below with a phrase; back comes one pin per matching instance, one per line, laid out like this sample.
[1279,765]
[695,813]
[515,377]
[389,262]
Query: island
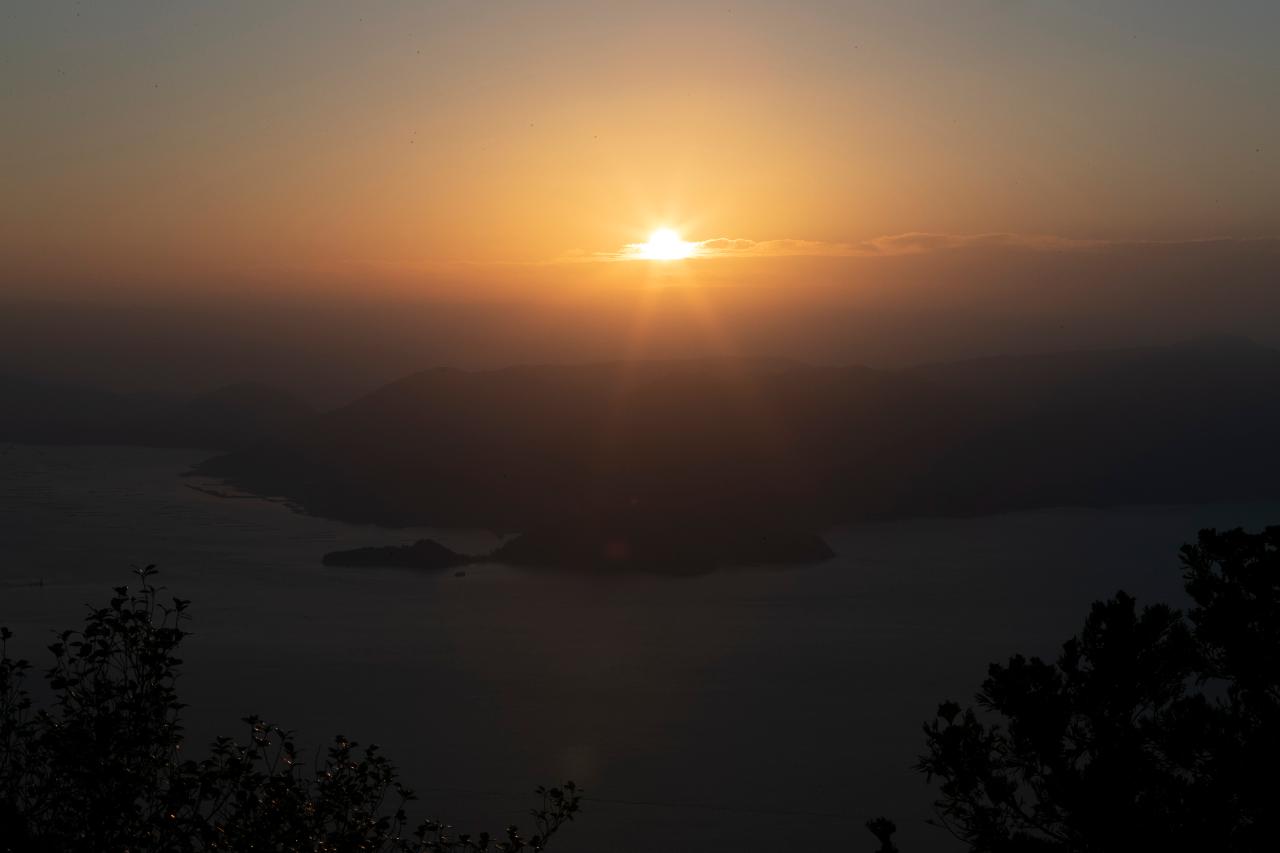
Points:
[657,544]
[614,544]
[610,542]
[423,554]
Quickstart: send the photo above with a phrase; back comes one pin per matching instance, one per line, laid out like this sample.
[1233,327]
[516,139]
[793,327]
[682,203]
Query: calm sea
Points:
[743,710]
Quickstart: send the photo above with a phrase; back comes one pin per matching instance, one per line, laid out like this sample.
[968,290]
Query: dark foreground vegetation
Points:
[103,768]
[1153,730]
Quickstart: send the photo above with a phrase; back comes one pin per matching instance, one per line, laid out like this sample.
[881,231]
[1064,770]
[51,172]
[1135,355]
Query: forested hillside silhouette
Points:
[757,441]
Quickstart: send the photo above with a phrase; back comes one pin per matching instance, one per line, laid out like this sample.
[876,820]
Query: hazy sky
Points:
[417,141]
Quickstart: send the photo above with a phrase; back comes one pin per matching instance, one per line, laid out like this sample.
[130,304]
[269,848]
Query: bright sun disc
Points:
[665,245]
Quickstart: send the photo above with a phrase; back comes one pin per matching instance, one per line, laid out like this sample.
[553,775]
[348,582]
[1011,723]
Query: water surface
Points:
[742,710]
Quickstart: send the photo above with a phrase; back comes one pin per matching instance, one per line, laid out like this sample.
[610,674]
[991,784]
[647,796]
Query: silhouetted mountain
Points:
[516,448]
[783,445]
[1181,424]
[37,411]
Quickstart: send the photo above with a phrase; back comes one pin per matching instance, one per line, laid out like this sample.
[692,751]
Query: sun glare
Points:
[665,245]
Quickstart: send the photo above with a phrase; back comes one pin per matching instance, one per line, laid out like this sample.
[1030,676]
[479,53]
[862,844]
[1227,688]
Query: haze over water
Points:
[947,317]
[784,703]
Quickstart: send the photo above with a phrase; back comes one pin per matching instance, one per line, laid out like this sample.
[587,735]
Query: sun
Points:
[665,245]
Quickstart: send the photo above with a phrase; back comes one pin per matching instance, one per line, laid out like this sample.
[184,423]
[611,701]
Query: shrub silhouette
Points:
[1153,730]
[102,768]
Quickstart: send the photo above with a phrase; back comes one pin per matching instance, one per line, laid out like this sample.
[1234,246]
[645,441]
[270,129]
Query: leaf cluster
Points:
[103,767]
[1152,730]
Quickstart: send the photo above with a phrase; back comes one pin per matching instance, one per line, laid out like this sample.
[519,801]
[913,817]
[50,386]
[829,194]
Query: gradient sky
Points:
[297,142]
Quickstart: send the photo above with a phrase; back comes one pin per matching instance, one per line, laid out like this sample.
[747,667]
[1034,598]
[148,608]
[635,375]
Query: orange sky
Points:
[420,146]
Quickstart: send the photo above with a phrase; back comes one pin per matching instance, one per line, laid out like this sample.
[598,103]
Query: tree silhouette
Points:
[102,768]
[1153,730]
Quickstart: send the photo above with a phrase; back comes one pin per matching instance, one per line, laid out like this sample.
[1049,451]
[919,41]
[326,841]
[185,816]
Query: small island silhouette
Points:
[650,543]
[423,554]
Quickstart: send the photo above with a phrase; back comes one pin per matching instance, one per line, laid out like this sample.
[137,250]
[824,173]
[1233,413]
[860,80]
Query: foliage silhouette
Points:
[1153,730]
[883,829]
[102,768]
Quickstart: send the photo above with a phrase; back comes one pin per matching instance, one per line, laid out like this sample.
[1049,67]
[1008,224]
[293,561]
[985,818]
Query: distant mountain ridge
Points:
[227,418]
[745,441]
